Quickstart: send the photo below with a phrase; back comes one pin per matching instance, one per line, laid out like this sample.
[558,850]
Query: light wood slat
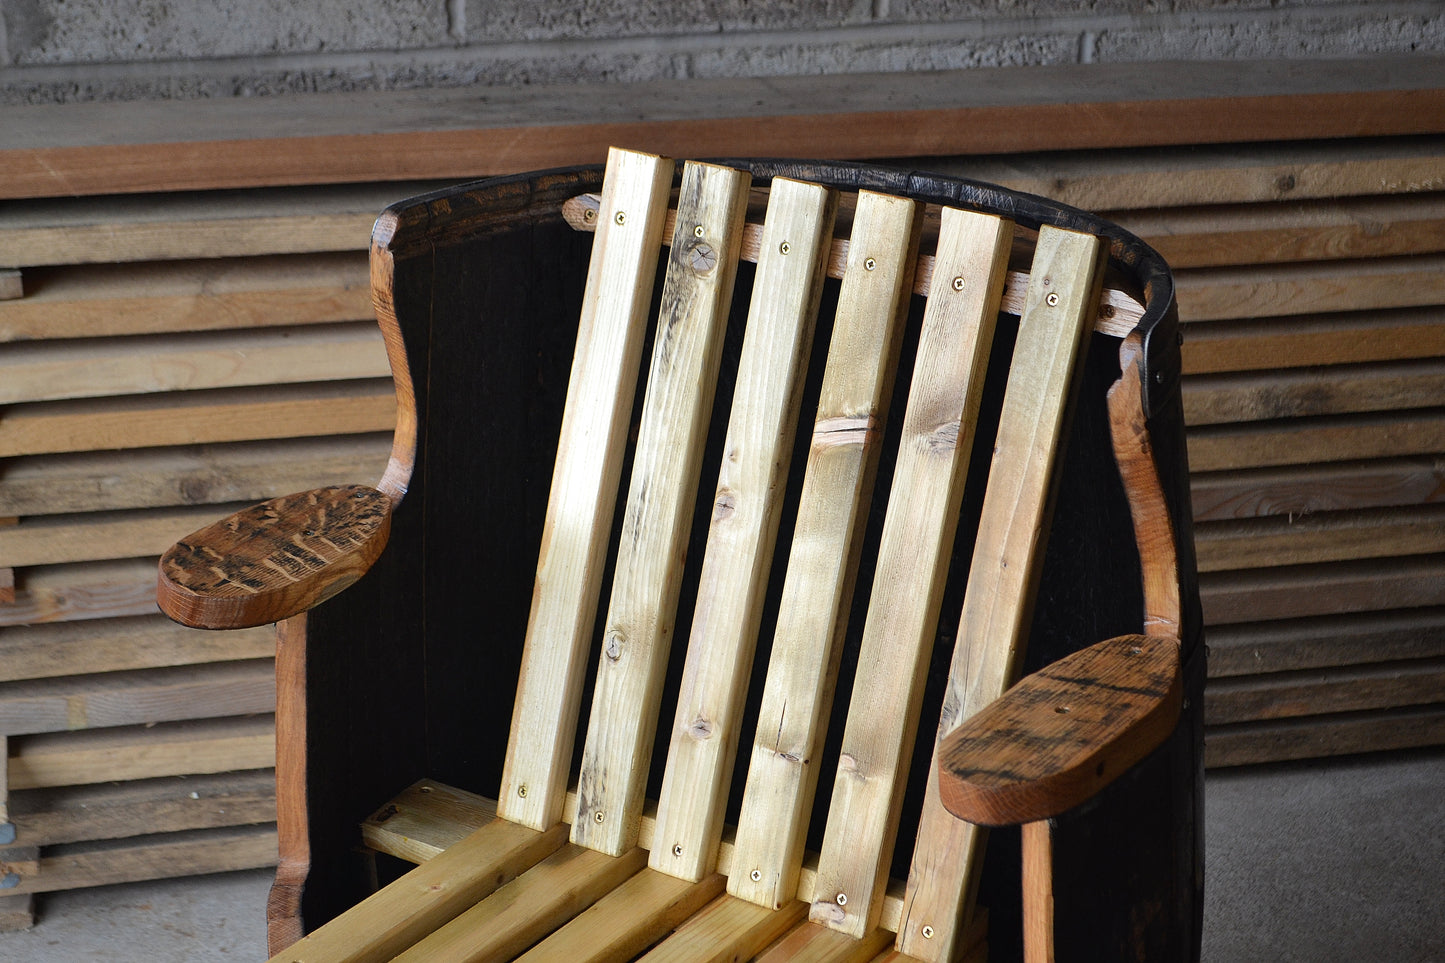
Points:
[142,752]
[912,566]
[1008,554]
[817,591]
[1302,441]
[529,907]
[1320,537]
[1350,338]
[426,818]
[141,697]
[97,536]
[154,857]
[1274,290]
[725,930]
[810,943]
[584,487]
[159,477]
[90,590]
[114,645]
[123,299]
[188,418]
[1317,231]
[1336,588]
[53,370]
[638,630]
[626,921]
[1292,491]
[1320,643]
[1331,735]
[746,507]
[12,284]
[1313,692]
[1305,392]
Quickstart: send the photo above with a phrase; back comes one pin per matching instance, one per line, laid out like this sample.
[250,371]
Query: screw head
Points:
[928,932]
[784,248]
[842,899]
[958,284]
[589,215]
[869,264]
[697,231]
[597,815]
[621,217]
[677,849]
[522,791]
[756,875]
[1052,299]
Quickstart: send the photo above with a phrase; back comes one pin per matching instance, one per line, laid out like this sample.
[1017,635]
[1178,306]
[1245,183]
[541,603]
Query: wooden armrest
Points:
[1064,733]
[274,560]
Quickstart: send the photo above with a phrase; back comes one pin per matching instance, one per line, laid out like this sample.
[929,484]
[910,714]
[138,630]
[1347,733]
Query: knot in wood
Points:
[943,439]
[612,647]
[701,257]
[724,506]
[700,729]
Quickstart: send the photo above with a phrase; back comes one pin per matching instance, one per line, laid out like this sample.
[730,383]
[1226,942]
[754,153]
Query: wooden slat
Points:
[1320,537]
[115,299]
[1337,588]
[1003,577]
[638,630]
[96,536]
[426,818]
[727,929]
[1211,294]
[817,590]
[17,913]
[1304,440]
[134,698]
[1284,695]
[746,508]
[1305,392]
[90,590]
[1325,339]
[192,475]
[912,565]
[141,752]
[120,810]
[1331,735]
[1334,486]
[12,284]
[198,417]
[1319,643]
[127,861]
[583,495]
[810,943]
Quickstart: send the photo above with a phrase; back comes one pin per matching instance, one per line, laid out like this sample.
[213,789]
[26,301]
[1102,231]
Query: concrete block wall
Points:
[83,50]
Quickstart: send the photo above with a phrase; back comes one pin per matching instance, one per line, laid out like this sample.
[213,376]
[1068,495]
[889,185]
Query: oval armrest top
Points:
[1062,734]
[274,560]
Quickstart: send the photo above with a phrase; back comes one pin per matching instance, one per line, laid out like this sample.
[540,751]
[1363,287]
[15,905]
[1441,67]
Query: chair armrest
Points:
[1064,733]
[274,560]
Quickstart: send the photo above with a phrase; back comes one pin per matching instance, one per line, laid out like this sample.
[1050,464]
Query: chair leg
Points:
[1038,892]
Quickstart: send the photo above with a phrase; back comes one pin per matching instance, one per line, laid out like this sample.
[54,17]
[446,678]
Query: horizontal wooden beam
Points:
[1319,691]
[115,645]
[1335,588]
[1319,643]
[1326,735]
[1320,537]
[90,590]
[1297,441]
[1350,337]
[1332,486]
[330,138]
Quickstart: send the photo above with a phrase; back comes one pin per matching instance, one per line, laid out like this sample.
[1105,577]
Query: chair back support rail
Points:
[993,477]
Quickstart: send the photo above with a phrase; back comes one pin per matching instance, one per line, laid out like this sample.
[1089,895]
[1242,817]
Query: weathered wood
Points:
[1319,537]
[1322,736]
[1038,892]
[1277,290]
[17,913]
[293,847]
[1323,691]
[1337,588]
[274,560]
[913,556]
[91,590]
[727,929]
[56,539]
[1297,491]
[1305,392]
[19,861]
[7,586]
[1302,441]
[1281,646]
[585,479]
[425,819]
[1347,338]
[12,284]
[123,299]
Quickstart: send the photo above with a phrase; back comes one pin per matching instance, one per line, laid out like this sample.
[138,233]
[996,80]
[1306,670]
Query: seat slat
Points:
[585,479]
[832,508]
[810,943]
[747,506]
[1008,553]
[913,558]
[727,929]
[696,294]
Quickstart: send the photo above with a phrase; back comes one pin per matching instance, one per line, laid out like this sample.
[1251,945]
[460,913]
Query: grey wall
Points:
[68,50]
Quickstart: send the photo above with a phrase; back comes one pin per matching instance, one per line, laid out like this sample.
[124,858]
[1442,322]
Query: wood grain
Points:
[1323,736]
[1314,692]
[1301,441]
[274,560]
[725,930]
[1294,491]
[1350,337]
[424,819]
[88,590]
[1311,288]
[1246,649]
[1319,537]
[1337,588]
[56,539]
[1307,392]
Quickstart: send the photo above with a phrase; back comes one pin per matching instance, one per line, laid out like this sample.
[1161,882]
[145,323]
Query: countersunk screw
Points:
[697,231]
[677,849]
[869,264]
[928,932]
[756,875]
[597,815]
[958,284]
[589,215]
[621,217]
[522,791]
[842,899]
[1052,299]
[784,248]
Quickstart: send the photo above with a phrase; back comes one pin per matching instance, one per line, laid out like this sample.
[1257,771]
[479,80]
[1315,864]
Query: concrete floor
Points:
[1340,860]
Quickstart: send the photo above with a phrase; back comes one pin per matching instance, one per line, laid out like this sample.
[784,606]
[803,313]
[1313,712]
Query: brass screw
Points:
[869,264]
[755,875]
[621,218]
[1052,299]
[589,215]
[928,932]
[784,248]
[522,791]
[958,284]
[697,231]
[597,815]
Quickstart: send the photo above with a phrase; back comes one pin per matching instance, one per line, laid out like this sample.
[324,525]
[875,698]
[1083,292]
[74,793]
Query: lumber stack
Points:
[164,359]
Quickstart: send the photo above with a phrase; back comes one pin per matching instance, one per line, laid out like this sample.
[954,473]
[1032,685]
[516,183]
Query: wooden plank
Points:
[56,539]
[7,586]
[1304,392]
[810,943]
[191,475]
[53,370]
[89,590]
[1324,339]
[198,417]
[19,861]
[1319,643]
[1276,290]
[141,752]
[76,813]
[78,865]
[1330,229]
[156,227]
[1335,588]
[1284,695]
[822,567]
[912,565]
[661,493]
[1321,736]
[12,285]
[343,138]
[585,478]
[1320,537]
[115,299]
[1291,491]
[17,913]
[137,698]
[1003,576]
[426,818]
[746,509]
[727,929]
[1305,440]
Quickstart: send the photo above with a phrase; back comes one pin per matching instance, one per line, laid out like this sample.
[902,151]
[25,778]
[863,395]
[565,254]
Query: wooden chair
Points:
[1006,368]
